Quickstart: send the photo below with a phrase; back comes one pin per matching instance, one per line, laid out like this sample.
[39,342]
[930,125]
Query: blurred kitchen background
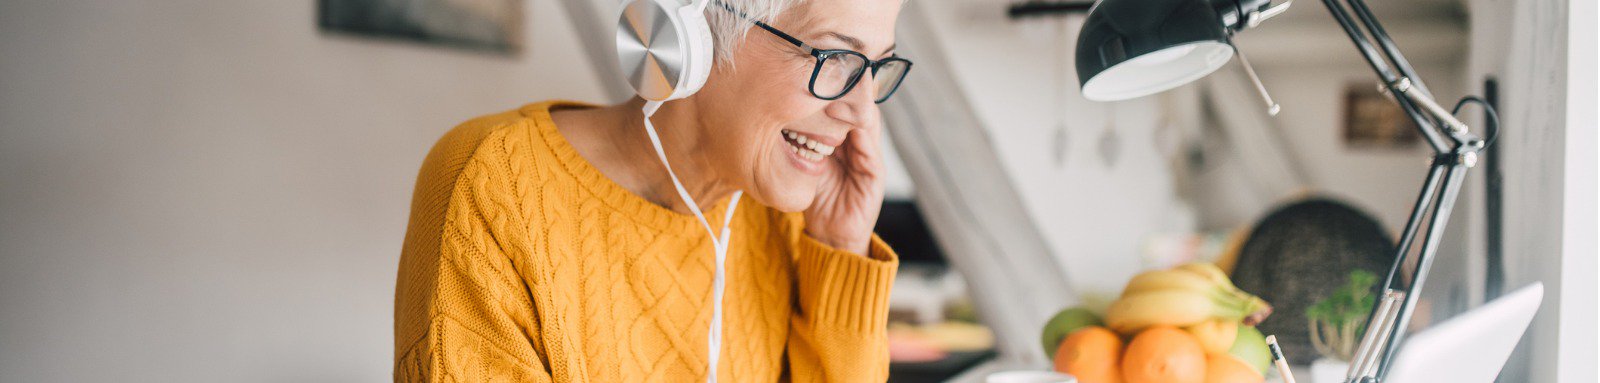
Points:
[217,191]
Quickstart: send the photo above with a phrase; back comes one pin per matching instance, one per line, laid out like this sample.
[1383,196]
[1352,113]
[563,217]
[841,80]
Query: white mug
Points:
[1029,377]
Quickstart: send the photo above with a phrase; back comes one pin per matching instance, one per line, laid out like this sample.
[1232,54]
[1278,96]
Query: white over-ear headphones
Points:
[664,47]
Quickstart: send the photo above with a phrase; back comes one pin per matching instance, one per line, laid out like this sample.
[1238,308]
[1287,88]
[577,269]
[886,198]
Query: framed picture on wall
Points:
[484,25]
[1373,120]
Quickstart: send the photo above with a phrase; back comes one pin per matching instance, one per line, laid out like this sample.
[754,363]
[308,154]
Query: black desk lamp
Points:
[1134,48]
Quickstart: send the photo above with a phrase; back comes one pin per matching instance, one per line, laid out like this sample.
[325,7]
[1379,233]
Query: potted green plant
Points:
[1337,323]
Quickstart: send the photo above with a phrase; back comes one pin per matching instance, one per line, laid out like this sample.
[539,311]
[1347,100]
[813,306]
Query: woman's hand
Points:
[851,194]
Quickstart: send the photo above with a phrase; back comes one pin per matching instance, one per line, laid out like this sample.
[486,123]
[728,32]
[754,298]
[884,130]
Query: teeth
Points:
[808,148]
[820,148]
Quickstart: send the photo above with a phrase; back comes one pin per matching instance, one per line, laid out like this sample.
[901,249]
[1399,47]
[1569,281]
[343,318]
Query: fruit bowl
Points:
[1186,324]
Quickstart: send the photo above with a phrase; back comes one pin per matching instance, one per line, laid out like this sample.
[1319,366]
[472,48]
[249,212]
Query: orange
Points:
[1215,335]
[1226,368]
[1164,354]
[1092,354]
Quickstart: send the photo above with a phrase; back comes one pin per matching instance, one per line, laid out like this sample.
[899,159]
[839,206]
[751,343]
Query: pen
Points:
[1277,359]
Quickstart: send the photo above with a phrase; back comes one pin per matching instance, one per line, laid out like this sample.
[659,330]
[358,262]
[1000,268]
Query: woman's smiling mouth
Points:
[807,147]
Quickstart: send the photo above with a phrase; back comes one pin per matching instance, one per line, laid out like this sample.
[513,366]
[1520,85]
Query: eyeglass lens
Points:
[836,73]
[839,72]
[888,77]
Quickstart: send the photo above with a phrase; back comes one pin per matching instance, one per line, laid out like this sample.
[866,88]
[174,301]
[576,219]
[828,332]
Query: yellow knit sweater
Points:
[523,263]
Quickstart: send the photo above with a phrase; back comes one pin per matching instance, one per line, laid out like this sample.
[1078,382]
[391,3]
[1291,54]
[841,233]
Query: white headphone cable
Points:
[718,243]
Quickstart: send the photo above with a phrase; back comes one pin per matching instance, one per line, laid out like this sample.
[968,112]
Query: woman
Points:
[548,243]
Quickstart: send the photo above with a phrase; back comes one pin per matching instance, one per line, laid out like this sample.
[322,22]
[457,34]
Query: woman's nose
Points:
[857,107]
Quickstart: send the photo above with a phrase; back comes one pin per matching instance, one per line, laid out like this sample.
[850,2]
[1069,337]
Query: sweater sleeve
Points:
[480,321]
[838,333]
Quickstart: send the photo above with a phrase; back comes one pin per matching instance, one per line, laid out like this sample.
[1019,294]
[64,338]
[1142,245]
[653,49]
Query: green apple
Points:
[1251,347]
[1063,324]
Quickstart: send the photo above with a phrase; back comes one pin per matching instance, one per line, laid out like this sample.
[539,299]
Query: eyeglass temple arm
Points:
[769,28]
[784,36]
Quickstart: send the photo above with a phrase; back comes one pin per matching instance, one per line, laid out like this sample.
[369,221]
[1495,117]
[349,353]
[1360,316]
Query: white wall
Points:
[1547,106]
[215,191]
[1381,181]
[1580,223]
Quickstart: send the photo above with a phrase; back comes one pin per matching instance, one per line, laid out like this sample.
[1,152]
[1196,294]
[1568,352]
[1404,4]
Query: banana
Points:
[1177,308]
[1183,296]
[1171,279]
[1208,270]
[1214,273]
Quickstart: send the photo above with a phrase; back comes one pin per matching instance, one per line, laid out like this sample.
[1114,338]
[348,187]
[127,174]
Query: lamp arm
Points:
[1448,189]
[1382,38]
[1457,129]
[1384,72]
[1411,85]
[1453,156]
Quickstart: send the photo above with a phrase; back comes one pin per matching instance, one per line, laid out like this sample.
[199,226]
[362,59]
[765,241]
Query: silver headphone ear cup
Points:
[653,49]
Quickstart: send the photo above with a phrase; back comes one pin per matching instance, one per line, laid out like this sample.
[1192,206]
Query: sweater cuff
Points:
[843,290]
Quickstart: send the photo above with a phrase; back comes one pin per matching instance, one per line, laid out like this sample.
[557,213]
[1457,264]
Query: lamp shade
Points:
[1134,48]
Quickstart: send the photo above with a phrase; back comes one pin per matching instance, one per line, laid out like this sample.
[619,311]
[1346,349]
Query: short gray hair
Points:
[728,29]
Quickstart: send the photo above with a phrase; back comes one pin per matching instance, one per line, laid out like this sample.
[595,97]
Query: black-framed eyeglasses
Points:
[838,70]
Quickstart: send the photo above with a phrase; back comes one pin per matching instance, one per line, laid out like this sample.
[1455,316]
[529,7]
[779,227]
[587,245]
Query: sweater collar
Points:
[610,193]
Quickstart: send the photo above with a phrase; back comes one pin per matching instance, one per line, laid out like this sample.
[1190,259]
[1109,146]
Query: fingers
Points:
[866,152]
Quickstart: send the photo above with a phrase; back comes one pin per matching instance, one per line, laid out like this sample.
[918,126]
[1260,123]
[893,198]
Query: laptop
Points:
[1471,347]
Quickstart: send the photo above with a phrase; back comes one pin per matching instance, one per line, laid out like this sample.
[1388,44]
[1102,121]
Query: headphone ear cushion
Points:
[700,56]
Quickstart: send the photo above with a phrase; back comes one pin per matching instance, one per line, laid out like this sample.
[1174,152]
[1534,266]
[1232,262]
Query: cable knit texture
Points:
[523,263]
